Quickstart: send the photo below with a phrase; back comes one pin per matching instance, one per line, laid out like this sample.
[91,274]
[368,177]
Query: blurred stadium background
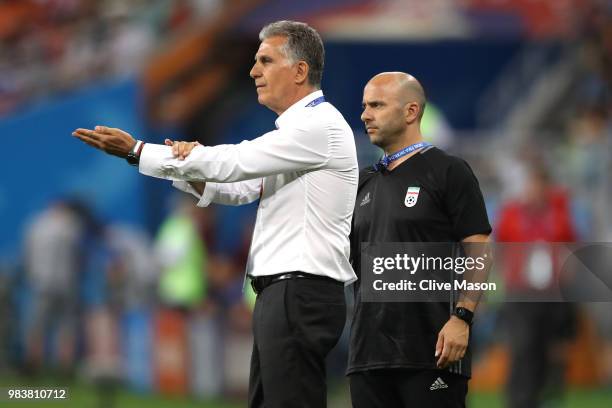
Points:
[114,285]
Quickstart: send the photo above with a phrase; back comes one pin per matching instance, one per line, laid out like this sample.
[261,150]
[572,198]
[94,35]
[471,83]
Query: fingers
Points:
[86,133]
[461,353]
[88,136]
[451,353]
[100,133]
[89,141]
[105,130]
[181,150]
[443,361]
[439,344]
[442,350]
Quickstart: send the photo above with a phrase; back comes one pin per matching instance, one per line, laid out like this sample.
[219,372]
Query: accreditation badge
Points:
[412,195]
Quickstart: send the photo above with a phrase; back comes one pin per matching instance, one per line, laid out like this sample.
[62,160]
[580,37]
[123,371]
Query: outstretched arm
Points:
[280,151]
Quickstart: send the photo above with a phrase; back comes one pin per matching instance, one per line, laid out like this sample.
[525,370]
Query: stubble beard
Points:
[382,139]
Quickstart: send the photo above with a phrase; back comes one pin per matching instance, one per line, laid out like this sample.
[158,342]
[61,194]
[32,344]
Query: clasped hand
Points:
[181,150]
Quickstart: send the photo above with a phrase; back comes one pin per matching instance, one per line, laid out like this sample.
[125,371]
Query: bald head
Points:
[393,104]
[403,87]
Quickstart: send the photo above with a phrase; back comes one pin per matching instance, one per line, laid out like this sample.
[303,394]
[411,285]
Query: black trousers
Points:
[296,323]
[399,388]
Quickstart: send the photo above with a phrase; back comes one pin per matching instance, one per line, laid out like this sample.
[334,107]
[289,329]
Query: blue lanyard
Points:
[315,102]
[387,160]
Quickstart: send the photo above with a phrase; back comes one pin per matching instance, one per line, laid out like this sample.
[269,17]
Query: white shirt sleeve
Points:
[186,187]
[280,151]
[238,193]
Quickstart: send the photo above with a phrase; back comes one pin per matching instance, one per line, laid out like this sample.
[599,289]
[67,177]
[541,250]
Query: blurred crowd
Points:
[84,280]
[49,47]
[585,143]
[557,187]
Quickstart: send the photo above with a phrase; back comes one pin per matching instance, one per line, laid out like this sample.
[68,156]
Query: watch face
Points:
[132,159]
[463,314]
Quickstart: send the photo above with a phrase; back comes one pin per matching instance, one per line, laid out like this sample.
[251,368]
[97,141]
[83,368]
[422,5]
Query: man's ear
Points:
[412,111]
[301,74]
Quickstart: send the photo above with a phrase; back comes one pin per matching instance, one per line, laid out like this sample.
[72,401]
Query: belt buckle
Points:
[284,276]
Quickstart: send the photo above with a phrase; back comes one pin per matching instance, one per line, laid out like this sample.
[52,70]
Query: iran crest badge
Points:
[412,195]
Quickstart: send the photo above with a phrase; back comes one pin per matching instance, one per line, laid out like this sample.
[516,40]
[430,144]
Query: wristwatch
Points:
[464,314]
[133,157]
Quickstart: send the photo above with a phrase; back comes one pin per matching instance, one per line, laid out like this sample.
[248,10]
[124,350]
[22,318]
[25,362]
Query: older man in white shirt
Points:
[305,175]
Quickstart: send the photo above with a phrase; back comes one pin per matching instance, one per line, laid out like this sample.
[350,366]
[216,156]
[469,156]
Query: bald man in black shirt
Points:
[411,354]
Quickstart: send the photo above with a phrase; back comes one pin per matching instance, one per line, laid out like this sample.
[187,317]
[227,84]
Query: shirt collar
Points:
[297,107]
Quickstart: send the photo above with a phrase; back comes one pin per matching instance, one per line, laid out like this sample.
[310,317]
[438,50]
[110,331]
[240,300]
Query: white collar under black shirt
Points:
[307,172]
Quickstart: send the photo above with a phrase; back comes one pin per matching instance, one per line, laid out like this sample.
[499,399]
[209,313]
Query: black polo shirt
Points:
[430,197]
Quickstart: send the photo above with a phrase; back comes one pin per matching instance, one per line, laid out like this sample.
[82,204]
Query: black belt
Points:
[259,283]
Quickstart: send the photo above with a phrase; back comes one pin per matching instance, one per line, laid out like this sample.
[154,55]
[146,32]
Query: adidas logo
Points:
[366,200]
[438,385]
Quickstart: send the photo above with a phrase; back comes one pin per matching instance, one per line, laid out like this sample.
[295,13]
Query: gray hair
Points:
[303,44]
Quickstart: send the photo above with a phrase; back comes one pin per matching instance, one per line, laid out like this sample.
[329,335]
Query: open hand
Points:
[181,150]
[110,140]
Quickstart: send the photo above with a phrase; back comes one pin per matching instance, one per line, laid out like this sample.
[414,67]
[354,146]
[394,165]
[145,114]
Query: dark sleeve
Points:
[353,243]
[464,202]
[364,176]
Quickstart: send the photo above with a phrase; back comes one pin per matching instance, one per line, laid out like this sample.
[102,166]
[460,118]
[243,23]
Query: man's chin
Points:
[261,95]
[375,140]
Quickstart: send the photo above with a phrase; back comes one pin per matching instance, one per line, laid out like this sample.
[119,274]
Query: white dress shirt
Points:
[306,172]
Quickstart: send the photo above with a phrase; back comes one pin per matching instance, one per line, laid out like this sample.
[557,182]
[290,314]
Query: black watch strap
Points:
[464,314]
[133,157]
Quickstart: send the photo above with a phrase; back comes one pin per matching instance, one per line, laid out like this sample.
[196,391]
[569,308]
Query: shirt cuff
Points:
[151,158]
[186,187]
[210,191]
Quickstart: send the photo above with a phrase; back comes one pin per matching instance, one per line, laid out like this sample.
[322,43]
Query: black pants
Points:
[399,388]
[296,323]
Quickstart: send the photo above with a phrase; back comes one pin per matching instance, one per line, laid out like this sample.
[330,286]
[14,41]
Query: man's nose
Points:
[255,72]
[365,116]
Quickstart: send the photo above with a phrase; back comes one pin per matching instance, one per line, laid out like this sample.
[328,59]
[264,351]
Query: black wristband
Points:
[464,314]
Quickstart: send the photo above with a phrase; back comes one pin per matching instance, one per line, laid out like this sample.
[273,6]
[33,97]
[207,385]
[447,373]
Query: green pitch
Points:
[82,395]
